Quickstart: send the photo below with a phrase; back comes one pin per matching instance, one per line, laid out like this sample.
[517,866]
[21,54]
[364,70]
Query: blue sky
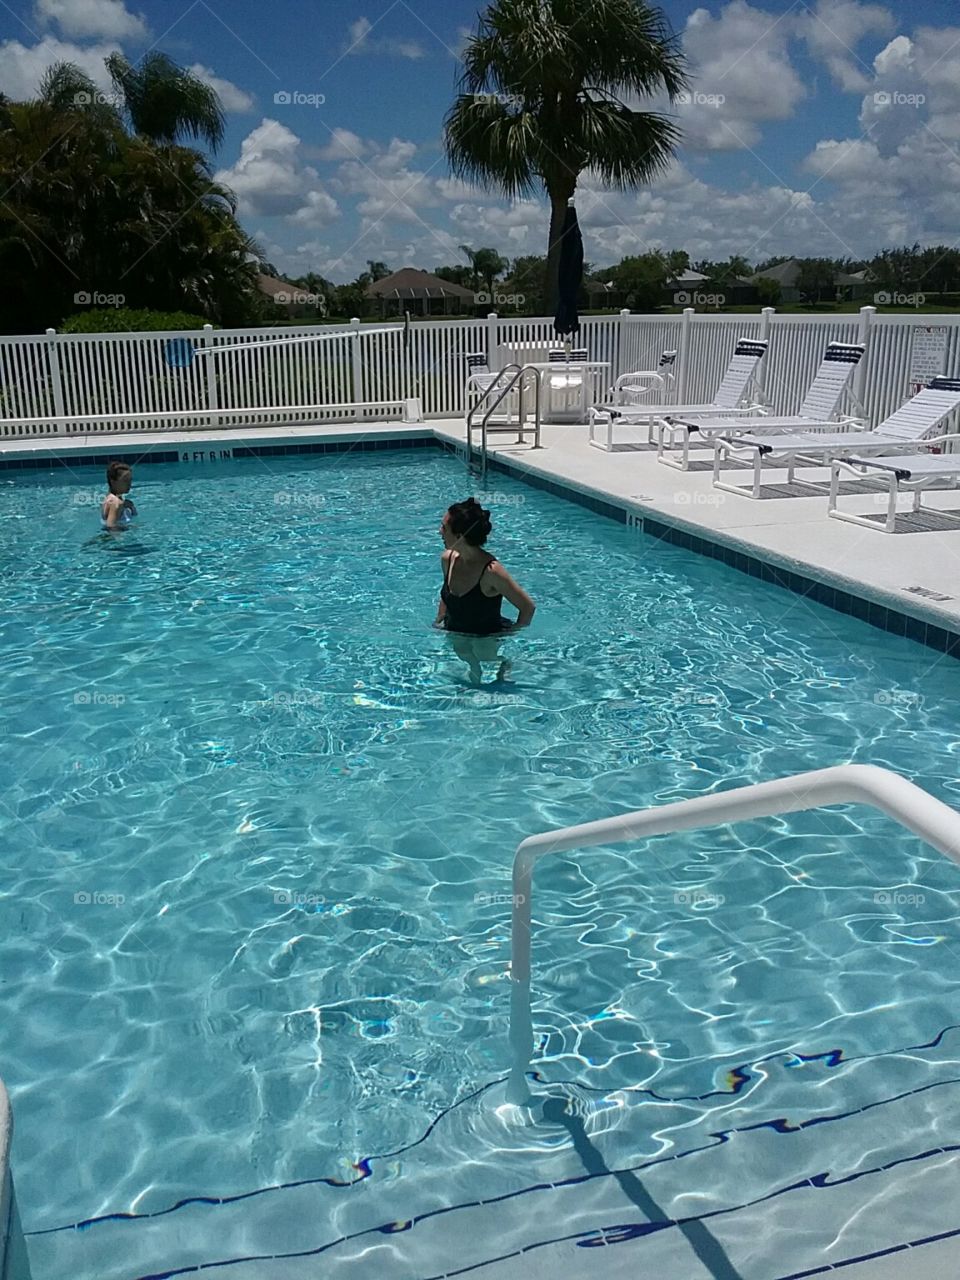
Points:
[815,126]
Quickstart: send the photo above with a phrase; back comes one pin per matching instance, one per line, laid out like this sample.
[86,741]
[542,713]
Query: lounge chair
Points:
[899,473]
[817,413]
[728,401]
[910,427]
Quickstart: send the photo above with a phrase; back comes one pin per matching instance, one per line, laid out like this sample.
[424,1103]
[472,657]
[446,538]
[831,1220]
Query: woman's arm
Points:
[113,507]
[512,592]
[441,607]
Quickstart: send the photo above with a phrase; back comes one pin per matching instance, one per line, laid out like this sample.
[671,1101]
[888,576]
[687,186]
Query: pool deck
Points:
[914,572]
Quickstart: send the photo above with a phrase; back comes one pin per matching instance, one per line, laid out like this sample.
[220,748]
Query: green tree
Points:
[485,265]
[165,103]
[541,101]
[376,271]
[898,269]
[816,278]
[90,208]
[768,291]
[643,279]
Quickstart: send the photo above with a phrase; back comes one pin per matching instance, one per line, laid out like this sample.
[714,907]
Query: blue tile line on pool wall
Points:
[877,615]
[739,1077]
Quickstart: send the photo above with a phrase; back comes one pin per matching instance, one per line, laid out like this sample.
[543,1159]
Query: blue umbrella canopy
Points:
[570,276]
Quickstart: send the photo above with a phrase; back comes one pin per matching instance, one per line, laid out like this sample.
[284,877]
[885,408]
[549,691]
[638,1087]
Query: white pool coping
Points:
[792,533]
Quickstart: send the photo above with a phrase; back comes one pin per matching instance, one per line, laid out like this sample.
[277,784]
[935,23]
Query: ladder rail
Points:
[516,381]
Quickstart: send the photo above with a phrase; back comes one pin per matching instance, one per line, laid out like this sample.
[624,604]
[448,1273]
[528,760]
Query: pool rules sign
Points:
[928,357]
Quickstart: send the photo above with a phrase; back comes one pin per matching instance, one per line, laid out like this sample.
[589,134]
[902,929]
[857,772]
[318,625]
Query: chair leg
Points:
[891,521]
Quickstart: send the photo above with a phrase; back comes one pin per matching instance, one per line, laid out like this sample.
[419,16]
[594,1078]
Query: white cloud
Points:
[271,180]
[22,68]
[834,30]
[343,145]
[741,75]
[92,19]
[232,97]
[359,41]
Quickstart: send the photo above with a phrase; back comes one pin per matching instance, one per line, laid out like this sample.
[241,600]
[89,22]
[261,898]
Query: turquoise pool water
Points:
[257,830]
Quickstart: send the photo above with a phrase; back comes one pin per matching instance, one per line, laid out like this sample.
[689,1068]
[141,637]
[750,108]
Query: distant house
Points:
[850,287]
[421,294]
[289,299]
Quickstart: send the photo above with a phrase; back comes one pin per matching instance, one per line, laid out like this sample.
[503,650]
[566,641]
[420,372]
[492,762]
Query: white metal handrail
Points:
[504,386]
[908,804]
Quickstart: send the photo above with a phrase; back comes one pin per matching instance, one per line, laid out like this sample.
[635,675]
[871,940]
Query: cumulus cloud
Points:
[343,145]
[22,68]
[92,19]
[360,41]
[271,179]
[232,97]
[835,28]
[741,76]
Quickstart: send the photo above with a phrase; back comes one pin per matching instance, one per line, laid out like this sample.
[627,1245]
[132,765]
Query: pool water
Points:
[257,831]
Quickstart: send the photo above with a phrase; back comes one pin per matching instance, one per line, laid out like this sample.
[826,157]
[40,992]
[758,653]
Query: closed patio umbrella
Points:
[570,275]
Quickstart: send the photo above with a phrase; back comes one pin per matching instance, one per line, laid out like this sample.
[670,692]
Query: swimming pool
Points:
[257,835]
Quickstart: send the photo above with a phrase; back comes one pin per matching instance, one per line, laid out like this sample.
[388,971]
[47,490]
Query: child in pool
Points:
[117,510]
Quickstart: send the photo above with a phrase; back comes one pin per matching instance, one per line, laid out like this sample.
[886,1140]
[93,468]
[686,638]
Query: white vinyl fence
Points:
[69,384]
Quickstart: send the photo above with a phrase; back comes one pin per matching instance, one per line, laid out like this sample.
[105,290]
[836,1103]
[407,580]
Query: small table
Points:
[590,369]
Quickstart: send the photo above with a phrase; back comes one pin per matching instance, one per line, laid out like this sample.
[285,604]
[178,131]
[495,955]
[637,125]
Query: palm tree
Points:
[471,256]
[378,270]
[165,103]
[541,101]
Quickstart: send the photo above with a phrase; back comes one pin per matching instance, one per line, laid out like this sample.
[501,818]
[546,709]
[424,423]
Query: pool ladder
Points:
[908,804]
[519,380]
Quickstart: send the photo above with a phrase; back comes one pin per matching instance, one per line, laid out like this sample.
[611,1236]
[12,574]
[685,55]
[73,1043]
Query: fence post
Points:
[213,401]
[621,330]
[56,382]
[766,322]
[685,330]
[860,373]
[493,343]
[357,367]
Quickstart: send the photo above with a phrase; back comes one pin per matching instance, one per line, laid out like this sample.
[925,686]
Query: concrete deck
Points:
[788,527]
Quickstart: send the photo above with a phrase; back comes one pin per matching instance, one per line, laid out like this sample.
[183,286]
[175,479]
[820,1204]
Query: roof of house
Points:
[271,286]
[785,273]
[410,283]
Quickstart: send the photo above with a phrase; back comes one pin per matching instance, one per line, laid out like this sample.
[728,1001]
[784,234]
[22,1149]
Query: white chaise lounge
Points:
[732,399]
[819,411]
[910,427]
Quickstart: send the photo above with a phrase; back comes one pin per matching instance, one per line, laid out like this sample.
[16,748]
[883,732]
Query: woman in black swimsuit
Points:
[475,585]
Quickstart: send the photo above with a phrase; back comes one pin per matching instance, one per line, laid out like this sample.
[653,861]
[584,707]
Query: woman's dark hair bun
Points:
[470,521]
